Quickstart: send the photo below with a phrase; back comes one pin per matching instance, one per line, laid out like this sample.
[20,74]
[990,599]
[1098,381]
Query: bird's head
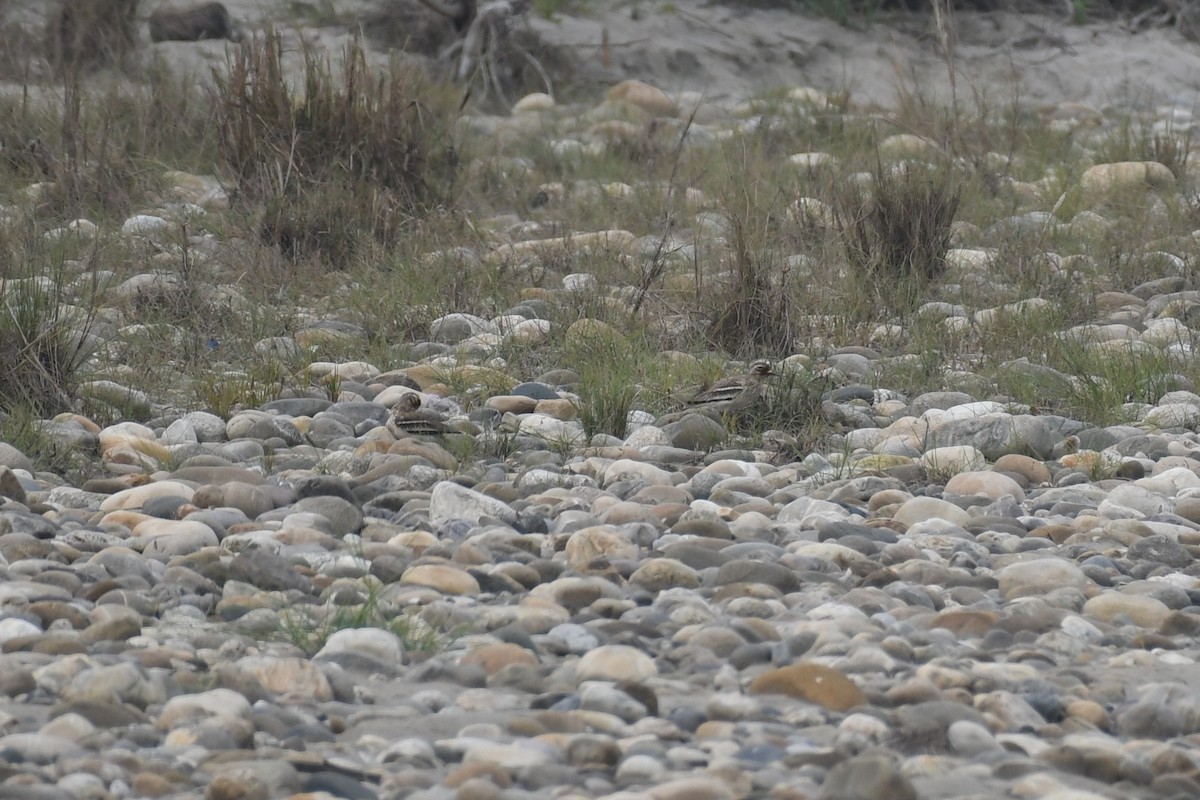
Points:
[407,404]
[761,369]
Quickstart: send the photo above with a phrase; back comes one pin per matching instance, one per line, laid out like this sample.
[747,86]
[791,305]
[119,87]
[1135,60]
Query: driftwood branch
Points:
[487,44]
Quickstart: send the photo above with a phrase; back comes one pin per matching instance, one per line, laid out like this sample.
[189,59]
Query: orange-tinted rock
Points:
[649,98]
[495,657]
[815,683]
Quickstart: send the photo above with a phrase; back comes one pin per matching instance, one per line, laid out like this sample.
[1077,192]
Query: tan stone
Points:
[1091,712]
[428,376]
[316,337]
[475,771]
[919,509]
[590,543]
[559,409]
[811,161]
[511,403]
[495,657]
[298,678]
[417,540]
[1028,468]
[624,513]
[130,519]
[887,497]
[650,99]
[658,574]
[615,662]
[692,788]
[1139,609]
[901,145]
[562,247]
[964,622]
[443,577]
[618,129]
[151,784]
[202,190]
[176,536]
[536,101]
[815,683]
[80,420]
[138,495]
[989,484]
[110,441]
[1100,180]
[430,451]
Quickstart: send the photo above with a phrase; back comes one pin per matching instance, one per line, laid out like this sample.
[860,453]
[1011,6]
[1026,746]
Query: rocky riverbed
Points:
[954,596]
[641,619]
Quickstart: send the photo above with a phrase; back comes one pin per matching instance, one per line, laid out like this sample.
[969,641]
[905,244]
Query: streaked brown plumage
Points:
[409,419]
[734,394]
[727,396]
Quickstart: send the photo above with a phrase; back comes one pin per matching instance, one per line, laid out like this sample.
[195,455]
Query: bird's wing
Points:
[720,392]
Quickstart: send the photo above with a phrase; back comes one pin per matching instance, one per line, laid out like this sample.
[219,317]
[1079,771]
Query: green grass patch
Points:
[45,330]
[309,627]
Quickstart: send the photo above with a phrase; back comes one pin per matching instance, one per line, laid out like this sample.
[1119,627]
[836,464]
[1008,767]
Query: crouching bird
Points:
[410,419]
[727,396]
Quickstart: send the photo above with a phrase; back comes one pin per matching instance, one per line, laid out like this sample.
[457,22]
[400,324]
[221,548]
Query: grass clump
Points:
[1131,141]
[1105,378]
[608,388]
[45,339]
[22,429]
[756,311]
[86,34]
[309,627]
[351,157]
[225,395]
[788,419]
[896,229]
[97,149]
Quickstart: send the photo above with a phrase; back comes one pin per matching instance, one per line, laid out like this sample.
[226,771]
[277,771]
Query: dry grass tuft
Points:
[352,150]
[896,229]
[86,34]
[45,337]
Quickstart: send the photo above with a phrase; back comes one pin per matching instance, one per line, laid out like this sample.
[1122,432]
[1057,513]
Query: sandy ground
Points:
[730,53]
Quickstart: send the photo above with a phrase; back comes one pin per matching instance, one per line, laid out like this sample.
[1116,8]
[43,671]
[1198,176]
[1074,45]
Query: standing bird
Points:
[409,419]
[726,396]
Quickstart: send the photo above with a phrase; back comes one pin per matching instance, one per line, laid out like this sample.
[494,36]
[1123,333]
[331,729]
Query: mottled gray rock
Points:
[14,458]
[344,516]
[996,435]
[696,432]
[450,501]
[453,328]
[1161,549]
[257,425]
[268,571]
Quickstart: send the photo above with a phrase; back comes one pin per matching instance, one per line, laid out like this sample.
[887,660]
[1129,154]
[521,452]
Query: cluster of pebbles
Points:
[959,598]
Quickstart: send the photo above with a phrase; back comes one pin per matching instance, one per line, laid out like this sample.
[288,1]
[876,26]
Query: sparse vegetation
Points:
[45,332]
[1135,140]
[309,627]
[577,405]
[351,157]
[85,34]
[608,389]
[896,230]
[368,169]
